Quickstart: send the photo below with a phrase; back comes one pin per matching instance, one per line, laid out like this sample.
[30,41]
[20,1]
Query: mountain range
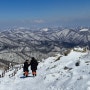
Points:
[16,45]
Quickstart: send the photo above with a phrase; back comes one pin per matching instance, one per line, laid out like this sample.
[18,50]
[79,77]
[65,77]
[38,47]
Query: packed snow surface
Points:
[54,73]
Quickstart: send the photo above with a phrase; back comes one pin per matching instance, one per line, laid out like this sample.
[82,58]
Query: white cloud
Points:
[39,21]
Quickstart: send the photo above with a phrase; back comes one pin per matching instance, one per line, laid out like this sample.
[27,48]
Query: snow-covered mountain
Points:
[59,72]
[44,37]
[16,45]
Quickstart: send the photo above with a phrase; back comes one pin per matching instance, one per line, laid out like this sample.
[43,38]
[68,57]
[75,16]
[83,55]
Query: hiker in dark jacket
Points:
[34,65]
[25,68]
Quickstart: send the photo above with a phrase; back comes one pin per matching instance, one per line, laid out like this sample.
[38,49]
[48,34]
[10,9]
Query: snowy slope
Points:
[54,73]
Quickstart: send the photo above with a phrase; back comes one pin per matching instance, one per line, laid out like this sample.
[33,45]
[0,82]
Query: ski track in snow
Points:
[51,75]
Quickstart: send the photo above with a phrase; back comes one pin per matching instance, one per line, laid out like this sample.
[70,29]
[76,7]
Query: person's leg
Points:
[26,73]
[33,72]
[23,71]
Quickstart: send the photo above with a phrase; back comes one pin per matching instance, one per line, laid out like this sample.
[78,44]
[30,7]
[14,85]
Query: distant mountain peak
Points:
[84,30]
[45,29]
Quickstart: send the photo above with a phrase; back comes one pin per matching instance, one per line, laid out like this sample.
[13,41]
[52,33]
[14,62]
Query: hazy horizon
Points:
[39,13]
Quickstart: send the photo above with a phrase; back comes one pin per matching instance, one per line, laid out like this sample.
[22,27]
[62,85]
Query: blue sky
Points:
[27,13]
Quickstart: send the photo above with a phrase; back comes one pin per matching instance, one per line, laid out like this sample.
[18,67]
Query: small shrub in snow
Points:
[87,62]
[3,74]
[67,68]
[53,66]
[67,52]
[58,58]
[0,76]
[77,63]
[81,77]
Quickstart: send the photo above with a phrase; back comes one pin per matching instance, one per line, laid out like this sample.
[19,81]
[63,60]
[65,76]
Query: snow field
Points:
[52,75]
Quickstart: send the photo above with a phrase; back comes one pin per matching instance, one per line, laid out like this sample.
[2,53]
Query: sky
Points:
[39,13]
